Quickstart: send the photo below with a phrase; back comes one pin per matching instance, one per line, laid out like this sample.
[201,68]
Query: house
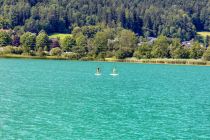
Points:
[54,42]
[112,42]
[150,41]
[140,43]
[4,30]
[187,43]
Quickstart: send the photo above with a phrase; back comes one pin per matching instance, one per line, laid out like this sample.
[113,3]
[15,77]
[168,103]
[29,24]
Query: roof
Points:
[4,30]
[187,43]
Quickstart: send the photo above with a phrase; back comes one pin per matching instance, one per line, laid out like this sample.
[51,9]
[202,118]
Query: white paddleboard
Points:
[97,74]
[114,74]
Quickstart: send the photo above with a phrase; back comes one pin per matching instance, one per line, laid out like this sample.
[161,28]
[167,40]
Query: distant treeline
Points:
[171,18]
[100,42]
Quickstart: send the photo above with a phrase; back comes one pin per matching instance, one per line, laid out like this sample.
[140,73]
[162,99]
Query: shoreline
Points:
[187,62]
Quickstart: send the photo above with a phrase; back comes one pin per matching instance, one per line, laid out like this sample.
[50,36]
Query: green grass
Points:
[57,35]
[203,34]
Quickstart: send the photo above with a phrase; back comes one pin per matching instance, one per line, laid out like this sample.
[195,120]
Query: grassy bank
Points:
[203,34]
[162,61]
[128,60]
[31,57]
[61,36]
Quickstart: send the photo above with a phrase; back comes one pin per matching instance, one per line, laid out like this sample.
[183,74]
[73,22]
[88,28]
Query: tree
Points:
[128,39]
[4,39]
[28,41]
[90,31]
[160,48]
[4,23]
[207,41]
[80,51]
[68,43]
[177,51]
[76,31]
[206,55]
[32,25]
[100,42]
[143,51]
[180,52]
[42,40]
[196,51]
[81,40]
[177,24]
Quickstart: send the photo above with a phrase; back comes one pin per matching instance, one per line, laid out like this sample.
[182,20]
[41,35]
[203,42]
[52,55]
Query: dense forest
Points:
[171,18]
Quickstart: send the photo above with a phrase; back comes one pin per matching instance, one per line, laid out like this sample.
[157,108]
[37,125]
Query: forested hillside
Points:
[172,18]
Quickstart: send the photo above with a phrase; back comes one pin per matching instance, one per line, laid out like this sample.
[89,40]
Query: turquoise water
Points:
[49,99]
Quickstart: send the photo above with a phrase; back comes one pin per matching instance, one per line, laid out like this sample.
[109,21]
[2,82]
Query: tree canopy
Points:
[172,18]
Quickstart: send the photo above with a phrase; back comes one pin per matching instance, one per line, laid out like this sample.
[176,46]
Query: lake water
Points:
[52,99]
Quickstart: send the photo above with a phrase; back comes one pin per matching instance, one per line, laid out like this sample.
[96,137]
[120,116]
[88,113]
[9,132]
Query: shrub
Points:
[30,53]
[42,40]
[123,53]
[40,52]
[81,51]
[56,51]
[196,51]
[67,43]
[72,56]
[109,54]
[206,55]
[87,58]
[5,39]
[101,56]
[17,50]
[28,41]
[12,50]
[161,47]
[143,52]
[7,50]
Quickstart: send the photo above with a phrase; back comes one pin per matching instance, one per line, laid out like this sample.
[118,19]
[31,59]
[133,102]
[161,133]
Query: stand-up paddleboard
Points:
[114,74]
[97,74]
